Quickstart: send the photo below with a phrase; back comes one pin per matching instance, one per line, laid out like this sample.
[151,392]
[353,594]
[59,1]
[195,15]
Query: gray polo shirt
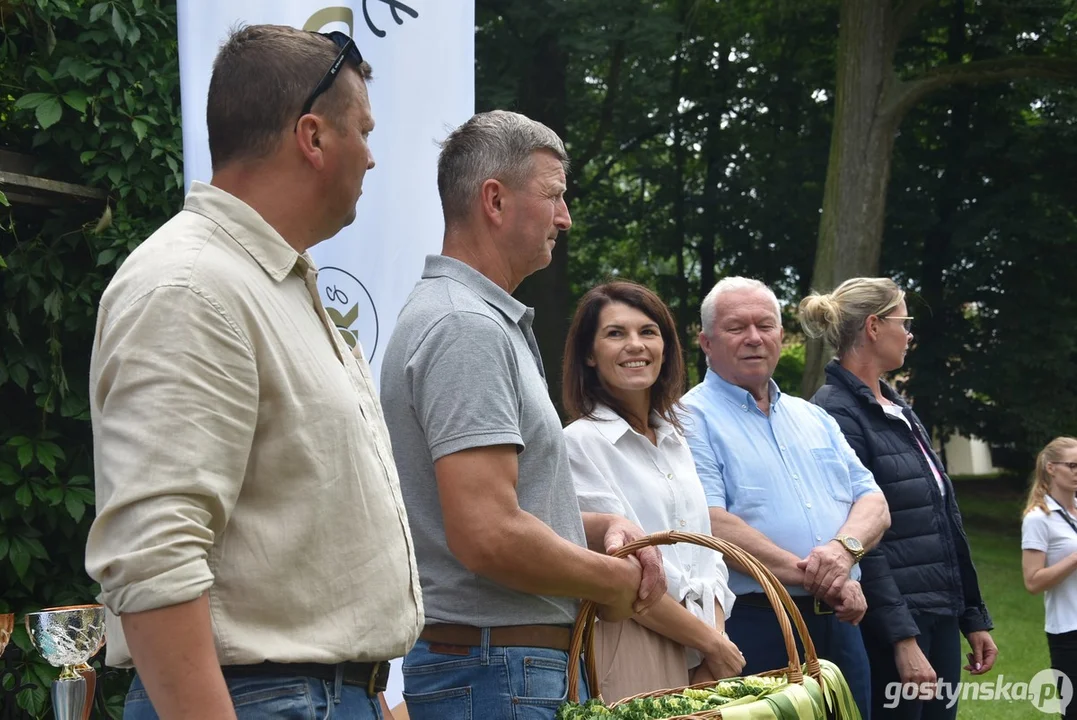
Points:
[462,370]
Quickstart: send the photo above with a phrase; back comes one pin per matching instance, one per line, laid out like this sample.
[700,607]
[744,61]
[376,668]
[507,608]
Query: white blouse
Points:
[1051,534]
[618,471]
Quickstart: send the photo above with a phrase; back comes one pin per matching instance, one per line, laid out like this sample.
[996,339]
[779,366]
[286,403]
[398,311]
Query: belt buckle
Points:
[372,682]
[819,608]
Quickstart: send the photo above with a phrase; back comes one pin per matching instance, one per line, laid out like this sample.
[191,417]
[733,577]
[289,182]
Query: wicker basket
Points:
[788,615]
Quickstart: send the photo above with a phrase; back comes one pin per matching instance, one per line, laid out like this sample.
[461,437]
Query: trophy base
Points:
[69,698]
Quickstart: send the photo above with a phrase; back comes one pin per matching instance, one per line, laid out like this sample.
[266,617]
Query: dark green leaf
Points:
[139,126]
[75,507]
[118,24]
[26,455]
[32,100]
[106,256]
[19,374]
[97,11]
[45,456]
[13,325]
[48,113]
[35,548]
[53,304]
[77,99]
[115,174]
[24,496]
[4,545]
[83,494]
[8,475]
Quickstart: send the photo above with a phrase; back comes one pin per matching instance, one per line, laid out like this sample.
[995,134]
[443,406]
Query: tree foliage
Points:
[91,90]
[700,134]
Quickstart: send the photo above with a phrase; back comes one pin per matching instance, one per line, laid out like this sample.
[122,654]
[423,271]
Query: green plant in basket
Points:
[748,698]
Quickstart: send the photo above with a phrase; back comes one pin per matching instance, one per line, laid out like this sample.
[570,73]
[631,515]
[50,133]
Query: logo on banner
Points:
[351,308]
[344,14]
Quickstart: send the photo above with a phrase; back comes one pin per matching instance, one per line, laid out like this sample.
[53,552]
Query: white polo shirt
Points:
[1051,533]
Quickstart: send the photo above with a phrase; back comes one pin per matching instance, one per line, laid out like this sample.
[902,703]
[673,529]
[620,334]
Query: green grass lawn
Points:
[992,518]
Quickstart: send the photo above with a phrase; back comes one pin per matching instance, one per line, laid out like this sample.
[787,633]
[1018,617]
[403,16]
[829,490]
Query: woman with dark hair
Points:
[920,582]
[623,375]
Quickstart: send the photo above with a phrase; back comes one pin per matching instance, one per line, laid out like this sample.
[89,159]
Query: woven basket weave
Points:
[788,615]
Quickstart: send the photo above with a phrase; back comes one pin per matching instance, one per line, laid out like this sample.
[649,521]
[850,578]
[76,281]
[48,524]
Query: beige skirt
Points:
[631,659]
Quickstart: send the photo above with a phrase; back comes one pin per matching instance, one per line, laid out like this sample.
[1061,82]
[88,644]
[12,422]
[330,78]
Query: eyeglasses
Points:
[906,320]
[1071,465]
[348,50]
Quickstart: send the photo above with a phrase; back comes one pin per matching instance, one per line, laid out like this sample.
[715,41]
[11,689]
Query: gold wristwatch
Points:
[853,546]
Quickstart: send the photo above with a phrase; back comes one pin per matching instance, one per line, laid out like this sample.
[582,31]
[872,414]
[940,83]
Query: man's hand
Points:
[652,584]
[852,605]
[826,569]
[912,664]
[984,652]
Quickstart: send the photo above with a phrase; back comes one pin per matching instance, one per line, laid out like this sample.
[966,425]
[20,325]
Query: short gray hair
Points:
[493,145]
[709,310]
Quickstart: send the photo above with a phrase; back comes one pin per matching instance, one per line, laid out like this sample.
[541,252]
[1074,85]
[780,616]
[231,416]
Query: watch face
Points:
[853,544]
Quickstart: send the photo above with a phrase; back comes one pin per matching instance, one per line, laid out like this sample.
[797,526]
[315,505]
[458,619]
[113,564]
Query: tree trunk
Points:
[543,97]
[858,170]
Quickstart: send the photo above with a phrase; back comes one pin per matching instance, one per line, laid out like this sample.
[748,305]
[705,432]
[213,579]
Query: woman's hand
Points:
[722,660]
[912,665]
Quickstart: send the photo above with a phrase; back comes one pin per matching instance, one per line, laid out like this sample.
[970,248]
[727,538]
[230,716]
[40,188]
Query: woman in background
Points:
[623,374]
[920,582]
[1049,551]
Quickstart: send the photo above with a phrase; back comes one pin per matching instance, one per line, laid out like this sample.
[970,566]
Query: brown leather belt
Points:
[552,637]
[374,676]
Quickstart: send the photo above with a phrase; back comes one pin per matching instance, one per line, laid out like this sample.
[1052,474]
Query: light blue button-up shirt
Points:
[791,474]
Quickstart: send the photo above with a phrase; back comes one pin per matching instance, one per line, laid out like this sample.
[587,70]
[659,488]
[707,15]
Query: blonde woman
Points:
[1049,551]
[920,582]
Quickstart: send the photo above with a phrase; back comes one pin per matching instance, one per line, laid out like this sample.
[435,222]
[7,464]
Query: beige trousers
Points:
[631,659]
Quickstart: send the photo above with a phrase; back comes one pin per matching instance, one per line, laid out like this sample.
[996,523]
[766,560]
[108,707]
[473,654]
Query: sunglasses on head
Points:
[348,50]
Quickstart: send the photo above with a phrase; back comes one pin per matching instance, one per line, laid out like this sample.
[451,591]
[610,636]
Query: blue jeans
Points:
[756,632]
[277,698]
[485,683]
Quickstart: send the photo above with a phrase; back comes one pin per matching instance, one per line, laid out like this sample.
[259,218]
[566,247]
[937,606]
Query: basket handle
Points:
[583,634]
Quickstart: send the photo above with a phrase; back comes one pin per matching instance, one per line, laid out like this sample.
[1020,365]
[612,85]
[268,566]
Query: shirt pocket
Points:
[835,474]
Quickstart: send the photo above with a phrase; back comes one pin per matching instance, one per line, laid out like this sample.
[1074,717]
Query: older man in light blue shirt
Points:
[781,482]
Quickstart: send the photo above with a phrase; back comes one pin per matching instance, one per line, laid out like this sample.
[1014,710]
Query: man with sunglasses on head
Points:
[251,543]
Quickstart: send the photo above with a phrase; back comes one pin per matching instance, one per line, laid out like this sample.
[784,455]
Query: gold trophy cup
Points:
[7,624]
[68,637]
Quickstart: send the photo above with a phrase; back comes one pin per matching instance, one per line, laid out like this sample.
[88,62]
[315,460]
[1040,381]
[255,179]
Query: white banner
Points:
[423,55]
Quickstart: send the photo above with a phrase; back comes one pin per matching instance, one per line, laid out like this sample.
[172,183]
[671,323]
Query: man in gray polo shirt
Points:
[500,542]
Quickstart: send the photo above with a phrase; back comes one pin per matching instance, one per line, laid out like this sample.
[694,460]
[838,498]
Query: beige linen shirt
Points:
[239,450]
